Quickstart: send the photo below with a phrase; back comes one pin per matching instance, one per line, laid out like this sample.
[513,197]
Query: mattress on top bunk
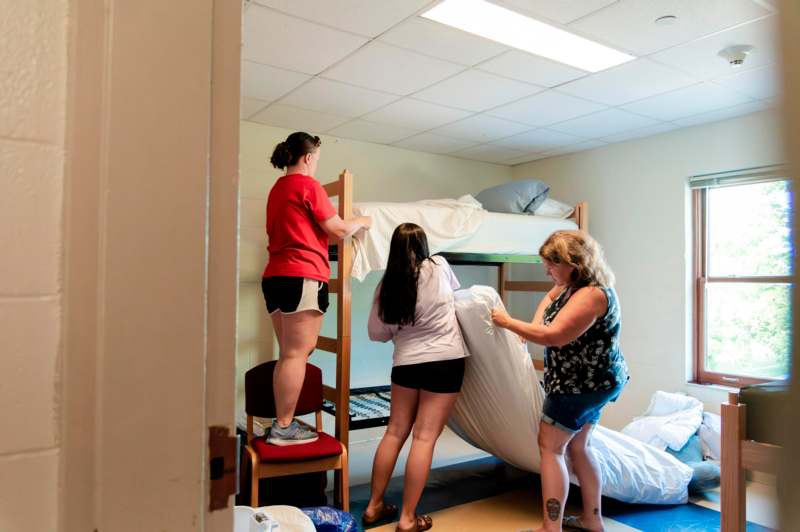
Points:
[512,234]
[451,226]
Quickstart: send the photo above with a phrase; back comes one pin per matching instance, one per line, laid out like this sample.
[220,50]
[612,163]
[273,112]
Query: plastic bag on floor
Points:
[327,519]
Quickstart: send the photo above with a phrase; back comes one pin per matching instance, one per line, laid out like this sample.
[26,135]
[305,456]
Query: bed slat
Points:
[528,286]
[760,456]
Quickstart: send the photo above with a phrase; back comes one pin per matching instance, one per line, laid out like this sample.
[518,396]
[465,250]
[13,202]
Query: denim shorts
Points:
[570,412]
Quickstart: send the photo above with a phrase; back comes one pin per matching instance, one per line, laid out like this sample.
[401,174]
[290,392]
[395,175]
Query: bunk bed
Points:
[751,441]
[369,407]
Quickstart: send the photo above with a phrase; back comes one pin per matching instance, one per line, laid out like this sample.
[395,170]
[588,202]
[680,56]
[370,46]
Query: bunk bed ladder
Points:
[340,346]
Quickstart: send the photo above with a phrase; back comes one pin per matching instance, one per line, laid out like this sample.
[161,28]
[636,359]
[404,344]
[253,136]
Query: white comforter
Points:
[447,223]
[669,422]
[501,403]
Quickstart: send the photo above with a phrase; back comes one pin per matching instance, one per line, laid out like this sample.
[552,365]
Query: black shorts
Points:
[294,294]
[442,376]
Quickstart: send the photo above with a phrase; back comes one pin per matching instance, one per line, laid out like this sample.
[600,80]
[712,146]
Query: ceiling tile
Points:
[761,83]
[641,133]
[531,69]
[539,140]
[481,128]
[415,114]
[723,114]
[371,132]
[337,98]
[526,159]
[628,82]
[546,108]
[603,123]
[561,11]
[272,38]
[249,106]
[630,24]
[700,58]
[588,145]
[390,69]
[365,17]
[433,143]
[289,117]
[475,91]
[268,83]
[700,98]
[430,38]
[488,153]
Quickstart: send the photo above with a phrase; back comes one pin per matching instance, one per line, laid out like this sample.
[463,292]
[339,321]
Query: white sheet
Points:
[451,225]
[446,222]
[500,407]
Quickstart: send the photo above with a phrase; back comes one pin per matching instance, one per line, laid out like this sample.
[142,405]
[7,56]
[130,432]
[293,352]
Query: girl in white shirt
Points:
[414,308]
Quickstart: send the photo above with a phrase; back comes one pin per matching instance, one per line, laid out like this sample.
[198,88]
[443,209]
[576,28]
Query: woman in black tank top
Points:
[578,322]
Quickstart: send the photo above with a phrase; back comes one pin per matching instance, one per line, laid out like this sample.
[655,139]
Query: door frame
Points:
[170,329]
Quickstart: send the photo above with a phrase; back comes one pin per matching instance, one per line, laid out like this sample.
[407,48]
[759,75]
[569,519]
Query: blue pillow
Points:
[516,197]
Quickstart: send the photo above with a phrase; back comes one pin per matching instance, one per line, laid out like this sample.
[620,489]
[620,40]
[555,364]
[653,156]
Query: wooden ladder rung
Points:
[528,286]
[334,188]
[333,286]
[330,345]
[329,393]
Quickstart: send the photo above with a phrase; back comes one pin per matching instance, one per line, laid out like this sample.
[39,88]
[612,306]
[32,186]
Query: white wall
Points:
[32,125]
[639,211]
[381,173]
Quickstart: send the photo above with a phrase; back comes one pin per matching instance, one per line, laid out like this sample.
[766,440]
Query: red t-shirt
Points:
[298,246]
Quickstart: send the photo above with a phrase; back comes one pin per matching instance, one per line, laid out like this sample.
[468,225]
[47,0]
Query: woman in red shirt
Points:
[300,218]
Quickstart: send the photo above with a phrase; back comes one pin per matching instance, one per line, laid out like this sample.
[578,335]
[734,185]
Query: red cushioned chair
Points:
[274,461]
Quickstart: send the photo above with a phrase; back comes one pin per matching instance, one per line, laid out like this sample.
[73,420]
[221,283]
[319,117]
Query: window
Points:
[742,263]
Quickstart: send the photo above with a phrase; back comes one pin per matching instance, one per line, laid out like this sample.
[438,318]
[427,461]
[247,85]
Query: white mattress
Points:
[500,408]
[512,234]
[452,226]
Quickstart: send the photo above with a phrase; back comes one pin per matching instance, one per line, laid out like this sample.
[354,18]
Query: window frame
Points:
[701,279]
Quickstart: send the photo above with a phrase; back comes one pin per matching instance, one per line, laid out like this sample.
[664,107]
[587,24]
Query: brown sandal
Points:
[574,522]
[424,522]
[385,512]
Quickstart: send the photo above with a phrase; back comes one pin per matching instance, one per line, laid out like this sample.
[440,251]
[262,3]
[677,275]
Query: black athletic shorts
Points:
[294,294]
[442,376]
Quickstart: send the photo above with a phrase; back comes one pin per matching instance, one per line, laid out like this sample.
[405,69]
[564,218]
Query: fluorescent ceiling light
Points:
[518,31]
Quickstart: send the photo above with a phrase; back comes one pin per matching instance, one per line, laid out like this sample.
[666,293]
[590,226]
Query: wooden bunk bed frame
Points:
[740,453]
[342,253]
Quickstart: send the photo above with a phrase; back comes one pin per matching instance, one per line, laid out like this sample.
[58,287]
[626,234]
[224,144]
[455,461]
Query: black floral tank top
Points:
[592,362]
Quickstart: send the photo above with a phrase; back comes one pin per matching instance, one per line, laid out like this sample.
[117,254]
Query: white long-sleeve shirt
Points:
[435,335]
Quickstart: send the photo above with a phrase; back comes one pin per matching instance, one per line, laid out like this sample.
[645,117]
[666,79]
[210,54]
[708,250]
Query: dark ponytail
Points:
[296,145]
[397,299]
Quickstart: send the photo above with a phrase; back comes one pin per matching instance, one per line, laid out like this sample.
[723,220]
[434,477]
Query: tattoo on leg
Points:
[553,509]
[596,511]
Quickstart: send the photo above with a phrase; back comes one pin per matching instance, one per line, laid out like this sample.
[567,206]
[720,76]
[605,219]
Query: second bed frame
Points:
[338,397]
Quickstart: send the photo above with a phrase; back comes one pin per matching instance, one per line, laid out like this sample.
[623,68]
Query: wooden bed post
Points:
[343,314]
[733,510]
[501,281]
[582,216]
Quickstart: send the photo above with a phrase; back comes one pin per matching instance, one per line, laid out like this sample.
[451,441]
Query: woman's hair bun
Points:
[281,156]
[296,145]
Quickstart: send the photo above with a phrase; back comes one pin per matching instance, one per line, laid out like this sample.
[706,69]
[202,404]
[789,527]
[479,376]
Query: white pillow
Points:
[554,209]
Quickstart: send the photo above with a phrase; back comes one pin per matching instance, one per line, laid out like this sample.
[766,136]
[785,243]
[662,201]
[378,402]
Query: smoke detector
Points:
[735,55]
[666,20]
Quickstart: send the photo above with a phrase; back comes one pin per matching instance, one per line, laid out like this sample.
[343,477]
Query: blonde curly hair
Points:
[582,252]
